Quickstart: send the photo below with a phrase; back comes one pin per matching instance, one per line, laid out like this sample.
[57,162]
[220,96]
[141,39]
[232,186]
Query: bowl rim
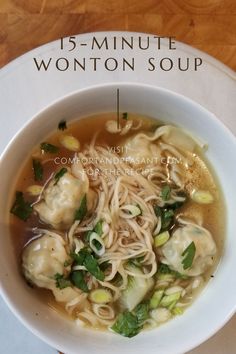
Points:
[210,116]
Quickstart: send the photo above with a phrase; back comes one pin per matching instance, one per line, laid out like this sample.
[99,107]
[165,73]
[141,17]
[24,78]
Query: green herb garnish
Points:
[166,215]
[178,205]
[166,219]
[92,266]
[82,211]
[129,324]
[98,228]
[85,258]
[165,269]
[38,170]
[97,244]
[62,125]
[125,116]
[142,312]
[21,208]
[157,210]
[165,193]
[188,255]
[47,147]
[61,282]
[78,279]
[126,324]
[59,174]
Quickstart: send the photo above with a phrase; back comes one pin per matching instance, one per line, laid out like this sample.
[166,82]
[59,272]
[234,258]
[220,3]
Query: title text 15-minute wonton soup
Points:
[119,226]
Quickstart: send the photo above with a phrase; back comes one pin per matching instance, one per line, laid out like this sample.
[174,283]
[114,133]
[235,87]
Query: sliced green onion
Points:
[70,142]
[177,311]
[202,197]
[98,228]
[96,244]
[160,315]
[100,296]
[165,192]
[161,239]
[34,190]
[170,300]
[21,207]
[82,210]
[166,277]
[38,170]
[134,210]
[173,290]
[156,299]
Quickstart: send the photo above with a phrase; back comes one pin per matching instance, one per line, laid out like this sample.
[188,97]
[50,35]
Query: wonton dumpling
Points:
[142,147]
[65,295]
[180,240]
[179,138]
[139,150]
[60,200]
[42,259]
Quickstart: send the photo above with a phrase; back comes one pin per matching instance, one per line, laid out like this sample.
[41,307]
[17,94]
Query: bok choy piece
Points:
[136,289]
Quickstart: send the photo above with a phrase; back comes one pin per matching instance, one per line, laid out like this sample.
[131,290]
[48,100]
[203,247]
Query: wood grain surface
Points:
[209,25]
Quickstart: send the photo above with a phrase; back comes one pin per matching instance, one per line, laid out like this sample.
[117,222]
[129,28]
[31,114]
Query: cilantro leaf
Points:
[166,219]
[78,279]
[92,266]
[157,210]
[61,282]
[82,210]
[85,258]
[80,257]
[165,269]
[166,215]
[98,228]
[59,174]
[165,192]
[62,125]
[188,255]
[21,208]
[38,170]
[47,147]
[126,324]
[125,116]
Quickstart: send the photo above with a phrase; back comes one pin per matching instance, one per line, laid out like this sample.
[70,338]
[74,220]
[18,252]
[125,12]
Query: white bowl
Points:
[215,305]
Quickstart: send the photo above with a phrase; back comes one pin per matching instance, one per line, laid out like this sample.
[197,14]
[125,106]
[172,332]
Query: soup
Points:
[118,224]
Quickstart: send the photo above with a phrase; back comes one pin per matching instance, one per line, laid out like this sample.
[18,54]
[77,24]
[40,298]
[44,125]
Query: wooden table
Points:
[209,25]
